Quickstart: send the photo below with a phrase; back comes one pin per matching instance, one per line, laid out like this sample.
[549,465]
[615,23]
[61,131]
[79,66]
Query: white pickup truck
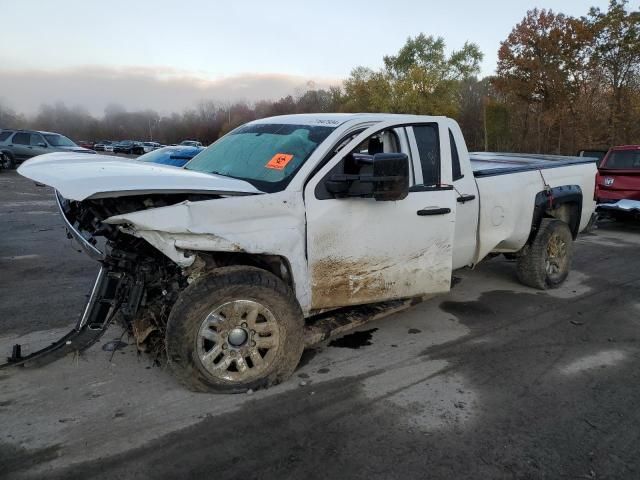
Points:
[235,262]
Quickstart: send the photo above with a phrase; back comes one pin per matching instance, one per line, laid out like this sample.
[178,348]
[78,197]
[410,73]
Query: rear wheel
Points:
[546,262]
[236,329]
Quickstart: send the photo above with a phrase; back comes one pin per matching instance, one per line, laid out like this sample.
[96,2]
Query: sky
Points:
[169,55]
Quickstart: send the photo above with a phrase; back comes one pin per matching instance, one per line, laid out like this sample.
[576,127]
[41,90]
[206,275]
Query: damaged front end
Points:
[136,285]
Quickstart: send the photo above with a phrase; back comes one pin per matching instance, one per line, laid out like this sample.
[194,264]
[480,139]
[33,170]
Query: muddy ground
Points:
[494,380]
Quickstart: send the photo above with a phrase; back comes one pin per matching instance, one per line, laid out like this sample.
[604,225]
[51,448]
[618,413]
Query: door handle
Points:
[466,198]
[433,211]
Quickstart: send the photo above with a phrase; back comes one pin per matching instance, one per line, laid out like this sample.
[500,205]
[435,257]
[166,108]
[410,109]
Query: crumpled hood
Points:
[78,176]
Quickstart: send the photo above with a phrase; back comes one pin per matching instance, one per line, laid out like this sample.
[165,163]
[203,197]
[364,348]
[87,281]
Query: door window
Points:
[429,151]
[37,140]
[360,162]
[22,138]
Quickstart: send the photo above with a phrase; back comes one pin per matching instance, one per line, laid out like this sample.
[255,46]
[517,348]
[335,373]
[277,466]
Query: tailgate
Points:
[622,183]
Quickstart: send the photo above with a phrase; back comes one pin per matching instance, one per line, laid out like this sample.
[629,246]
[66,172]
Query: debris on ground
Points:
[114,345]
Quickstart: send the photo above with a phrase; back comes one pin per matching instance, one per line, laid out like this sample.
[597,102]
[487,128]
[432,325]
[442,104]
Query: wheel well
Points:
[563,203]
[275,264]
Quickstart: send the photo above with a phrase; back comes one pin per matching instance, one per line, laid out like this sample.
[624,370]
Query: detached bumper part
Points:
[96,317]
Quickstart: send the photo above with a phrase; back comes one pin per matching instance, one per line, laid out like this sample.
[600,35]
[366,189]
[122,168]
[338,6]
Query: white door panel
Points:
[363,251]
[465,238]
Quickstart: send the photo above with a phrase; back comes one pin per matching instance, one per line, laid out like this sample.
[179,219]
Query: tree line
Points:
[562,83]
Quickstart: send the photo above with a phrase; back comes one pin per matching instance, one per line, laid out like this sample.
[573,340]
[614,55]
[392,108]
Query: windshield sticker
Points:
[279,161]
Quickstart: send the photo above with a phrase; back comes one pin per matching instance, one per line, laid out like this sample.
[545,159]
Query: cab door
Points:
[465,238]
[361,250]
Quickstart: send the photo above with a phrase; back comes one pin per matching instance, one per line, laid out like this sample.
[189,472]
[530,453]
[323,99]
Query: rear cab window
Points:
[456,171]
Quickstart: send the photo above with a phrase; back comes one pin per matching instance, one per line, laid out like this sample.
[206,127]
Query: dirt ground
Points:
[494,380]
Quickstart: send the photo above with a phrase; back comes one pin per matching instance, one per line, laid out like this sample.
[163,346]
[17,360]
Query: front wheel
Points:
[236,329]
[9,161]
[546,262]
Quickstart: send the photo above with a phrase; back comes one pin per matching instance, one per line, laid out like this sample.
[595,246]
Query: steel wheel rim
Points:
[221,350]
[556,259]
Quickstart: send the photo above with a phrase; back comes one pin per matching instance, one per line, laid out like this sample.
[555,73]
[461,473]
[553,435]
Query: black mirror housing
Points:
[390,176]
[388,181]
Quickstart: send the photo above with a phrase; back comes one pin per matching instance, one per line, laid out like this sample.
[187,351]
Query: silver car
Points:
[20,145]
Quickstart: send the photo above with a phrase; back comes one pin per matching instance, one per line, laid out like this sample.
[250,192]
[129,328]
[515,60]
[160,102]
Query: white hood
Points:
[78,176]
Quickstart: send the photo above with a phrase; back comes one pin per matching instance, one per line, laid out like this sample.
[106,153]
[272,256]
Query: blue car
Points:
[176,156]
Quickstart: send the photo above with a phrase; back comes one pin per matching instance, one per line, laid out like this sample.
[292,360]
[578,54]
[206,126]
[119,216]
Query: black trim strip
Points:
[429,188]
[492,172]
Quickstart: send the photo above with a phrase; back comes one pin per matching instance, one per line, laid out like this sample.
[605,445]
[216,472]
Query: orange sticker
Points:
[279,161]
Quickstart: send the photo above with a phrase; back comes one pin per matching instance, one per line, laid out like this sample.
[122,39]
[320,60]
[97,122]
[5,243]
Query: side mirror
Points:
[337,187]
[43,145]
[390,176]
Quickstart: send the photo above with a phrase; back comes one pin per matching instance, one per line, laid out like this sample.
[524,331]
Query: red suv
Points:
[618,180]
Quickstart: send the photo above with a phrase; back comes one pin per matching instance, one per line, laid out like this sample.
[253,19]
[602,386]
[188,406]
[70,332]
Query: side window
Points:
[344,141]
[429,150]
[4,136]
[37,139]
[22,138]
[456,172]
[360,162]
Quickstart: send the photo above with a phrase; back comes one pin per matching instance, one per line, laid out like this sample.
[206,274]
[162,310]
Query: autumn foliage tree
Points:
[570,83]
[616,55]
[420,78]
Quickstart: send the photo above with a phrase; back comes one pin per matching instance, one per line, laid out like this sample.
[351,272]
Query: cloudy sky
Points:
[168,55]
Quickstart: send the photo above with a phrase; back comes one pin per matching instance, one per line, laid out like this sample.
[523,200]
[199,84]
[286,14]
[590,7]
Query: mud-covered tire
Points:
[546,262]
[224,286]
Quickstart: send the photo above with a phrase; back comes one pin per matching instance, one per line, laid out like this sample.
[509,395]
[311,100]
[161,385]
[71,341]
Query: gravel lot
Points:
[494,380]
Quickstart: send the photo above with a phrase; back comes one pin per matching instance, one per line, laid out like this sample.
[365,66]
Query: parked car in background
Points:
[191,143]
[176,156]
[20,145]
[597,154]
[618,182]
[86,144]
[125,146]
[145,147]
[104,146]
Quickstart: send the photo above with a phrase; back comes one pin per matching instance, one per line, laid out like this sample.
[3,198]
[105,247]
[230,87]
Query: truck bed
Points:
[485,164]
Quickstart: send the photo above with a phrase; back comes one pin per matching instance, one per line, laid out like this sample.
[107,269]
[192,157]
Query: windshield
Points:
[623,160]
[265,155]
[56,140]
